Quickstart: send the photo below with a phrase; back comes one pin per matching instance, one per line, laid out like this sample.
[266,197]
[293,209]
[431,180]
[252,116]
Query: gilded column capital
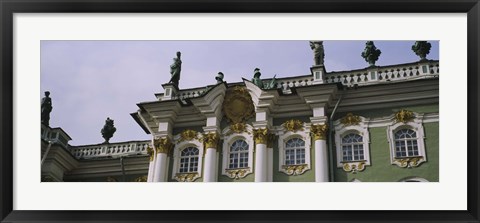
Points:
[162,145]
[151,153]
[319,131]
[260,135]
[211,140]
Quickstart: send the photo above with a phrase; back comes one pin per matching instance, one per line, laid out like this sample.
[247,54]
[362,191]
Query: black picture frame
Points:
[9,7]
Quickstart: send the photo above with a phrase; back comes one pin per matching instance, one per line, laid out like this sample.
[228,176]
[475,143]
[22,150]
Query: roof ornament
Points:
[259,82]
[175,69]
[422,49]
[318,52]
[371,53]
[108,130]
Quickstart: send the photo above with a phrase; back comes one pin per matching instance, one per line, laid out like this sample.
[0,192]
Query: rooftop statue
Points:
[219,78]
[46,108]
[371,53]
[421,49]
[257,81]
[175,69]
[318,52]
[108,130]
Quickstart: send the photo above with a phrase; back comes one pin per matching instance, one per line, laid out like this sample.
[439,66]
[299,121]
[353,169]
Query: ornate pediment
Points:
[238,105]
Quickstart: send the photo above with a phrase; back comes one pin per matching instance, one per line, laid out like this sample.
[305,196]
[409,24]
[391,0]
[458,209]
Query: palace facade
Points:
[377,124]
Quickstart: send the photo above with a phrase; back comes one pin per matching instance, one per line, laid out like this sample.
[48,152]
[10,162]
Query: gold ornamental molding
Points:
[163,145]
[141,179]
[404,116]
[151,153]
[350,119]
[237,173]
[293,125]
[409,162]
[238,128]
[211,140]
[260,135]
[238,105]
[354,167]
[319,131]
[188,135]
[294,169]
[186,177]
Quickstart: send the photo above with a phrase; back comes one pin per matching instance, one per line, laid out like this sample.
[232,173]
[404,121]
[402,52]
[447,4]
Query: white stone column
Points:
[209,171]
[261,158]
[270,164]
[163,147]
[321,158]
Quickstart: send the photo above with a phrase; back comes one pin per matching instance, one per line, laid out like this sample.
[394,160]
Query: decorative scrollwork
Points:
[141,179]
[354,167]
[238,128]
[162,145]
[409,161]
[186,177]
[404,116]
[294,169]
[260,135]
[350,119]
[151,153]
[237,173]
[319,132]
[293,125]
[238,105]
[211,140]
[188,135]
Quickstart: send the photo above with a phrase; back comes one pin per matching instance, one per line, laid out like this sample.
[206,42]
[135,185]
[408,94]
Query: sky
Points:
[92,80]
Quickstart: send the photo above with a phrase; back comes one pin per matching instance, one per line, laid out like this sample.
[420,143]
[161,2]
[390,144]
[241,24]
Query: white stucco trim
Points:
[415,125]
[179,146]
[229,137]
[283,136]
[342,130]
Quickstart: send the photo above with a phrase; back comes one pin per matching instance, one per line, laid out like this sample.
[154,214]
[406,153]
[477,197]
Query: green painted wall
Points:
[381,170]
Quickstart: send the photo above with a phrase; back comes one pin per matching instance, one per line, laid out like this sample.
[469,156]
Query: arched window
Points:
[406,144]
[295,152]
[189,160]
[352,147]
[238,154]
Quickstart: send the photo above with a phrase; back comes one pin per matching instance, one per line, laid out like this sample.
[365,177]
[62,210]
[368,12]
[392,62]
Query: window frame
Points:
[283,136]
[229,137]
[342,130]
[179,147]
[408,161]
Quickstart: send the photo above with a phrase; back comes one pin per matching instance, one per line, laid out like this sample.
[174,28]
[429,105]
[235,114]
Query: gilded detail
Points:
[319,132]
[260,135]
[238,128]
[188,135]
[350,119]
[186,177]
[404,116]
[111,179]
[409,162]
[294,169]
[237,173]
[354,167]
[238,105]
[150,153]
[293,125]
[141,179]
[211,140]
[162,145]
